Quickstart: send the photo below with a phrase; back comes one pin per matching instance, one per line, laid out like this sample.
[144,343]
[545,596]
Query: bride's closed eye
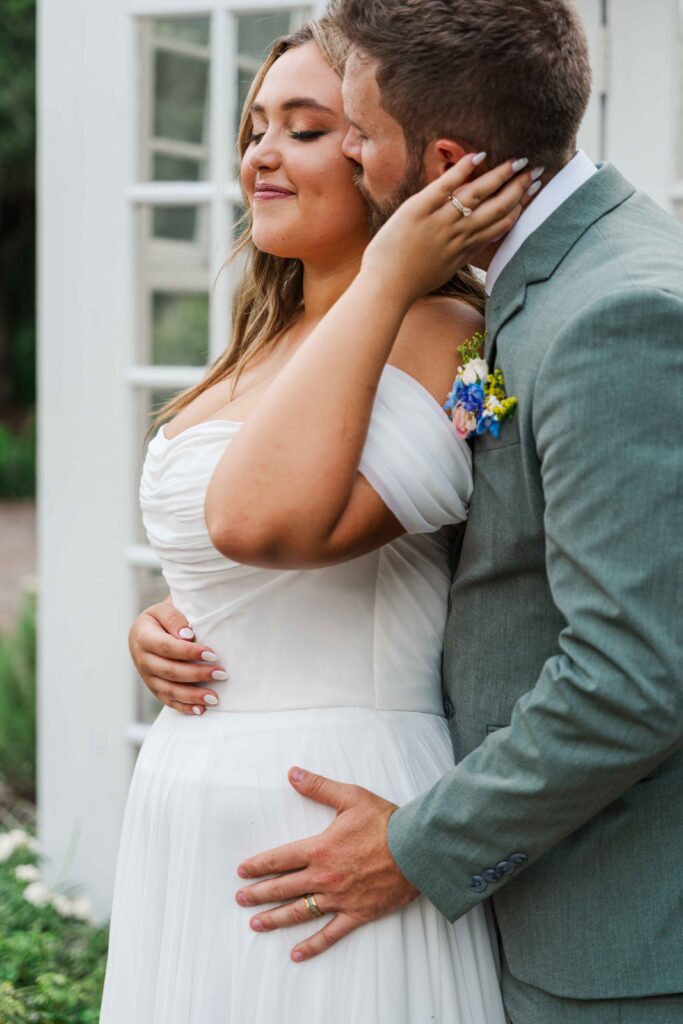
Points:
[308,136]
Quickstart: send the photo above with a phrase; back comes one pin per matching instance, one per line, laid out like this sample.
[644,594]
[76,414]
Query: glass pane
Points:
[151,589]
[174,281]
[256,32]
[180,329]
[177,168]
[174,98]
[188,30]
[175,222]
[180,97]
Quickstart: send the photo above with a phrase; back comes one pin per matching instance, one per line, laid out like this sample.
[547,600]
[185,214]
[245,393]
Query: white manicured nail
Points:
[478,159]
[210,698]
[209,656]
[537,172]
[186,633]
[196,710]
[218,673]
[520,164]
[534,188]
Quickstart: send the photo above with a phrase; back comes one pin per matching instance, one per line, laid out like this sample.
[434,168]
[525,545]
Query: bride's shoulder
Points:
[427,344]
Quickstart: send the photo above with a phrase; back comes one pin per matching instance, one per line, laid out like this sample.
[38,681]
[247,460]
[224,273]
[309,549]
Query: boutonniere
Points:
[477,401]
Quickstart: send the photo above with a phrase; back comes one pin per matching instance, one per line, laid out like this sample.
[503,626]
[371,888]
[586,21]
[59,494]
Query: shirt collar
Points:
[568,180]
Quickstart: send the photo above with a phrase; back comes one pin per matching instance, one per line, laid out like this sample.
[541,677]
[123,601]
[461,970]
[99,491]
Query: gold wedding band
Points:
[313,908]
[464,210]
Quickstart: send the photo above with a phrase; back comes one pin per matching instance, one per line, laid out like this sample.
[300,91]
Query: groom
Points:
[563,663]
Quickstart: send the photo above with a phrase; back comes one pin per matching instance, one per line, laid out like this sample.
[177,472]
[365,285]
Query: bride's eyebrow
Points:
[297,103]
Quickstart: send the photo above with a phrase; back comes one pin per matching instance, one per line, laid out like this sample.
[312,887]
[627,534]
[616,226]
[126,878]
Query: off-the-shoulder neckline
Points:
[412,381]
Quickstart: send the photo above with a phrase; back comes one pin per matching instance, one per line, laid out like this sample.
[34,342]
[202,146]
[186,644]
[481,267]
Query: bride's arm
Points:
[287,492]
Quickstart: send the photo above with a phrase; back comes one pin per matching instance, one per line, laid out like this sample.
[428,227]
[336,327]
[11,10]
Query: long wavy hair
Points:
[269,296]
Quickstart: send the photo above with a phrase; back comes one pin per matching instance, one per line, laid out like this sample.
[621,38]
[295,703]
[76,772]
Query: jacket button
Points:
[518,858]
[478,883]
[448,708]
[505,867]
[492,875]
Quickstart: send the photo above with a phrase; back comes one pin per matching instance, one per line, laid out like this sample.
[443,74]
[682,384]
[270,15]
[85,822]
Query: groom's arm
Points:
[608,708]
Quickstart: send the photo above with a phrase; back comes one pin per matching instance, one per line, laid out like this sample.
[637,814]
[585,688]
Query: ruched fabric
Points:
[413,458]
[334,669]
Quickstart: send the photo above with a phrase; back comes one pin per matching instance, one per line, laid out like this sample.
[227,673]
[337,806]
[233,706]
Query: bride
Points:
[301,500]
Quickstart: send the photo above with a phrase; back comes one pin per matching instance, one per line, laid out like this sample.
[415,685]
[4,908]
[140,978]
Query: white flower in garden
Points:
[81,908]
[38,894]
[62,905]
[475,369]
[13,840]
[27,873]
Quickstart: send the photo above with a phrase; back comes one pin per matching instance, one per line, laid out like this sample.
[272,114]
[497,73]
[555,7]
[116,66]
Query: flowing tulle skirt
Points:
[209,791]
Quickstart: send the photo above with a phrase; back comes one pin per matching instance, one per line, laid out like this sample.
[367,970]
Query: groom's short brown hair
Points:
[511,77]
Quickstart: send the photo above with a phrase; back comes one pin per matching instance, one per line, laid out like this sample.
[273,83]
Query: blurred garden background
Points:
[118,203]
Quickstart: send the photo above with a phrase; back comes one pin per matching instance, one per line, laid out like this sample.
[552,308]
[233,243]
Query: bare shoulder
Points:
[427,344]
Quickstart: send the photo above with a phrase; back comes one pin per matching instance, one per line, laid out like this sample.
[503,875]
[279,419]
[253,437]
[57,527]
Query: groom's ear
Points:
[440,156]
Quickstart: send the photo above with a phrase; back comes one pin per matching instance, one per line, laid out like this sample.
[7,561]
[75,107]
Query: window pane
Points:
[174,283]
[174,98]
[177,168]
[180,329]
[256,32]
[180,97]
[189,30]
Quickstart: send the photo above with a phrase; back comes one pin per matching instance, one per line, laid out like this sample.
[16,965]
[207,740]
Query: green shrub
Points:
[18,703]
[51,964]
[18,461]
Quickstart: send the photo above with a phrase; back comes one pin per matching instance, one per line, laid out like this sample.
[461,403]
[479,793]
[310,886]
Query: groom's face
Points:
[388,172]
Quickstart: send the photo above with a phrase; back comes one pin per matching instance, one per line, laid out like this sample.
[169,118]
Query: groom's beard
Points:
[380,210]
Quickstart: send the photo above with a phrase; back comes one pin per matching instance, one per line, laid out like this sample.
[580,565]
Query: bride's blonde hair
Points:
[270,293]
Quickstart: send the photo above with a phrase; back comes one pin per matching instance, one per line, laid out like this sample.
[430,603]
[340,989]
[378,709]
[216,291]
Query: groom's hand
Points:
[348,868]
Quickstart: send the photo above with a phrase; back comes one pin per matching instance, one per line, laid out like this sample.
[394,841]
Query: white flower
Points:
[38,894]
[13,840]
[62,904]
[81,908]
[476,369]
[27,873]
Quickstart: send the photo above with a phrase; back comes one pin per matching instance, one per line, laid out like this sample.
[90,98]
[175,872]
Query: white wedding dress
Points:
[336,670]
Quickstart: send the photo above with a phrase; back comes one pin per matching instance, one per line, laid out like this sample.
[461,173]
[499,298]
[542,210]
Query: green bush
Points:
[18,704]
[51,963]
[18,461]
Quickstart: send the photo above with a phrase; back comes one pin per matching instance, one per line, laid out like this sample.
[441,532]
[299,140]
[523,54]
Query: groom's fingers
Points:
[339,795]
[339,927]
[291,857]
[276,890]
[296,912]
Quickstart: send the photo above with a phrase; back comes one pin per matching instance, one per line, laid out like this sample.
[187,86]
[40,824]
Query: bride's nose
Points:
[264,155]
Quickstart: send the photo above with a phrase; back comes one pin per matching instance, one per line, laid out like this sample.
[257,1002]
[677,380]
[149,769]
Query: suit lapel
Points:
[544,250]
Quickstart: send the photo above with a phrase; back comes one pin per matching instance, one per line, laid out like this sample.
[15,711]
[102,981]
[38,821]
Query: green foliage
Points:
[17,202]
[51,967]
[18,704]
[18,461]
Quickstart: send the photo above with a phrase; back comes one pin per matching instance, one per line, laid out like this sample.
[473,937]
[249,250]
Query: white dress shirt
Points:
[572,176]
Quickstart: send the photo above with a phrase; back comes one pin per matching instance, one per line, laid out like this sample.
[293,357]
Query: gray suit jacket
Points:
[563,661]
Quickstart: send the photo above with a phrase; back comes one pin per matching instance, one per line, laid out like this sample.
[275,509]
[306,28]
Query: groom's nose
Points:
[351,146]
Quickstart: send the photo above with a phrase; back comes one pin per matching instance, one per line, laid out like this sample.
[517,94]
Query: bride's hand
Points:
[172,666]
[428,239]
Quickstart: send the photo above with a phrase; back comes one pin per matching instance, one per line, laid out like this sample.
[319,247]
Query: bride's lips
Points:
[272,192]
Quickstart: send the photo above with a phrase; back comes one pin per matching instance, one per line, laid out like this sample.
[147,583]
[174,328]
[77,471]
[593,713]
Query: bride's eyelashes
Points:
[308,136]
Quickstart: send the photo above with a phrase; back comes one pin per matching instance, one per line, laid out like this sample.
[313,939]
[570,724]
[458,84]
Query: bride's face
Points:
[298,182]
